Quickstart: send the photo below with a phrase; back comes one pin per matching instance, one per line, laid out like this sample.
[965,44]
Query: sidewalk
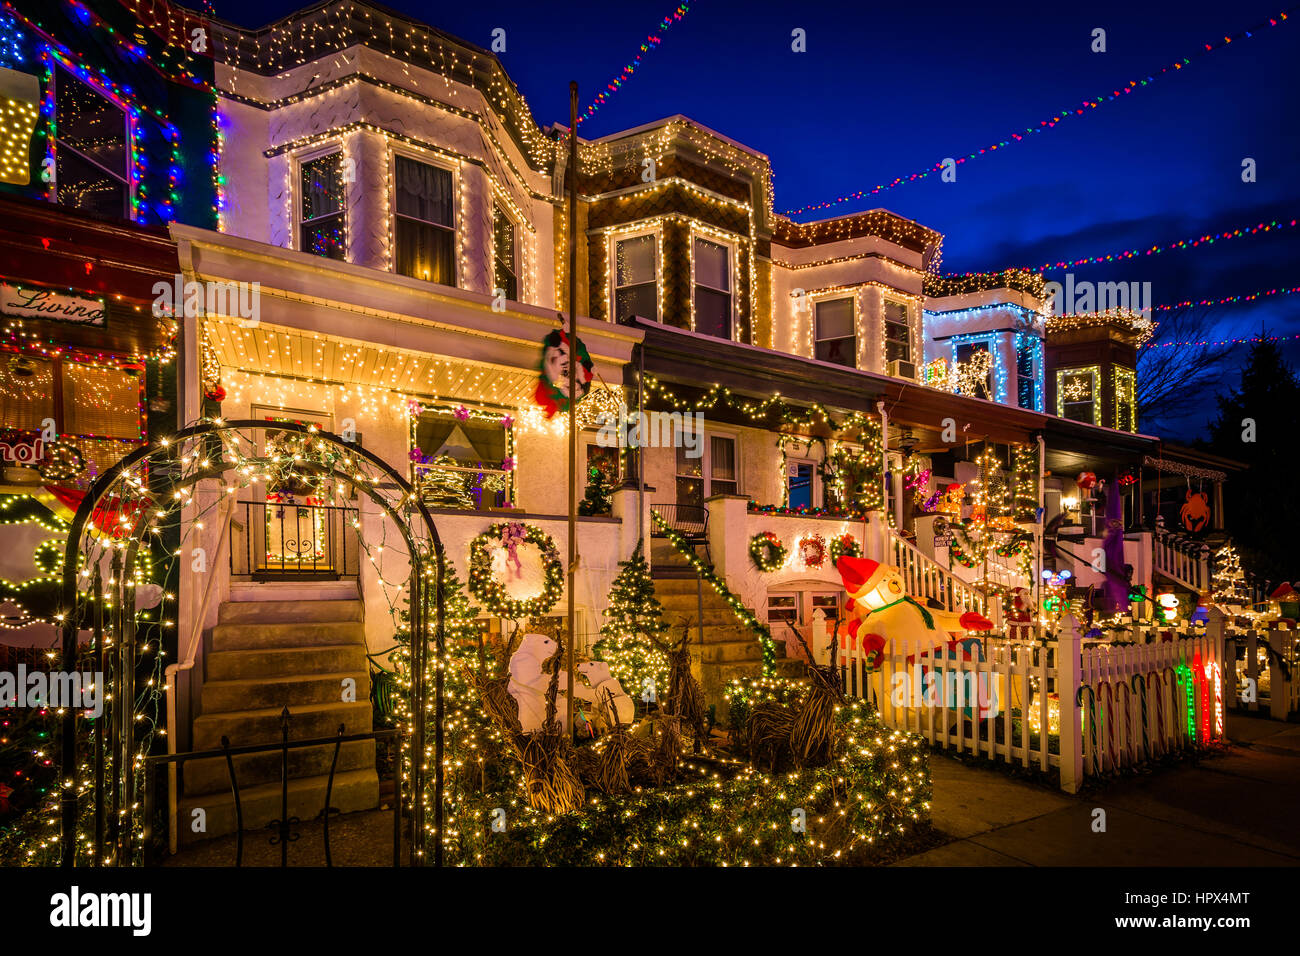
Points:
[1238,809]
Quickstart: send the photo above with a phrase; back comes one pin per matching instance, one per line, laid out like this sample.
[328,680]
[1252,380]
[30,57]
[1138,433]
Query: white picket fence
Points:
[1277,674]
[1085,710]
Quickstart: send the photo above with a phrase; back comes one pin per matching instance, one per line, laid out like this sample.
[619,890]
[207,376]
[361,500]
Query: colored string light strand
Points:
[1207,343]
[1055,120]
[1191,242]
[1227,299]
[651,42]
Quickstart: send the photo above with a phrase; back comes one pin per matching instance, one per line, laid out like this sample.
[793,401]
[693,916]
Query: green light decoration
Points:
[768,552]
[1187,681]
[491,590]
[705,571]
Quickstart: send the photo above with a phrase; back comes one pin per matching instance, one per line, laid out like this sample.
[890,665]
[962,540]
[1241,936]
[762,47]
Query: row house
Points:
[388,226]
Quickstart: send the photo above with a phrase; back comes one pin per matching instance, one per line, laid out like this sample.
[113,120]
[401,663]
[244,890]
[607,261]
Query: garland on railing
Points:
[706,572]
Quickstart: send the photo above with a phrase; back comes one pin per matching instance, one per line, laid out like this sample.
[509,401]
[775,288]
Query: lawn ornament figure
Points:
[881,611]
[1195,513]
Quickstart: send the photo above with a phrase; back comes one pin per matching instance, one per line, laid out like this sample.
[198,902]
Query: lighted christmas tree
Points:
[1231,591]
[634,616]
[597,499]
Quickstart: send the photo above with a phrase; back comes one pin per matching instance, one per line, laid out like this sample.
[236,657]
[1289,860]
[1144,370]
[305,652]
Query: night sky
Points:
[882,93]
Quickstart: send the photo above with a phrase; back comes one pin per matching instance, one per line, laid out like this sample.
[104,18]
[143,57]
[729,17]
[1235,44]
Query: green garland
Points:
[705,571]
[485,586]
[767,551]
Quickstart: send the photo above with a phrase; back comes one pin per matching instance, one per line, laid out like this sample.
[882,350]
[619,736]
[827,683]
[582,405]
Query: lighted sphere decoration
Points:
[515,570]
[1086,480]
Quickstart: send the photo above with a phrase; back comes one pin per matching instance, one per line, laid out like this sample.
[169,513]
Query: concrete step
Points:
[666,586]
[354,790]
[676,617]
[729,652]
[292,591]
[285,661]
[210,776]
[245,637]
[292,691]
[290,611]
[247,727]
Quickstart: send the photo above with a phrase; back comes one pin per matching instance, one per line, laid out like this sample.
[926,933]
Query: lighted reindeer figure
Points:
[685,698]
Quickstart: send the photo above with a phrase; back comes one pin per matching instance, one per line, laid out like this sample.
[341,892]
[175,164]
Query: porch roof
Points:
[699,361]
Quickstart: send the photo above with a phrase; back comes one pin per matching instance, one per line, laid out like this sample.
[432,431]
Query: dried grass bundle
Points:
[769,728]
[550,782]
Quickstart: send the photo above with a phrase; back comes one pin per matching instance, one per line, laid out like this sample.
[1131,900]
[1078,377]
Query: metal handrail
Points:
[173,760]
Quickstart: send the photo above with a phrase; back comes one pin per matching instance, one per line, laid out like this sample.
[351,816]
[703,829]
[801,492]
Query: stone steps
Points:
[285,661]
[294,691]
[262,725]
[299,634]
[292,611]
[210,775]
[296,649]
[353,790]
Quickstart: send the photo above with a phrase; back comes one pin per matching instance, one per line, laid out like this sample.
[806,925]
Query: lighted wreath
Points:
[767,551]
[515,570]
[812,549]
[845,544]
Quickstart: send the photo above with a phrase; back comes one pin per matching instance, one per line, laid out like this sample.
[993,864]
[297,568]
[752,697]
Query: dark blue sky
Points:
[881,93]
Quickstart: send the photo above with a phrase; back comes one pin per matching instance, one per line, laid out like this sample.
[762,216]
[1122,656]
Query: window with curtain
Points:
[898,332]
[91,151]
[322,220]
[636,278]
[505,273]
[104,402]
[712,288]
[722,465]
[836,338]
[26,391]
[425,227]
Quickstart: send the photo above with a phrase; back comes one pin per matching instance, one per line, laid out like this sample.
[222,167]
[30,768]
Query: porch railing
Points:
[290,539]
[926,578]
[1181,559]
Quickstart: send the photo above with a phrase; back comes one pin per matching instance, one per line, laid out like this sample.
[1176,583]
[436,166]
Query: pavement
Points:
[1238,808]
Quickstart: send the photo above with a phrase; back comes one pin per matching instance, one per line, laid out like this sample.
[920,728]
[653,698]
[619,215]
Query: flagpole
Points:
[573,403]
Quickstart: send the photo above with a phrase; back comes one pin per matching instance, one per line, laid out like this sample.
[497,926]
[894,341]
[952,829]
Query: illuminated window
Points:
[424,230]
[898,333]
[963,355]
[836,338]
[712,288]
[1125,400]
[91,149]
[322,220]
[1076,394]
[505,272]
[636,284]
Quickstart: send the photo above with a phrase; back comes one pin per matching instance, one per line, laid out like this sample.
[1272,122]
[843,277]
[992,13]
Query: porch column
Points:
[728,543]
[1218,506]
[624,508]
